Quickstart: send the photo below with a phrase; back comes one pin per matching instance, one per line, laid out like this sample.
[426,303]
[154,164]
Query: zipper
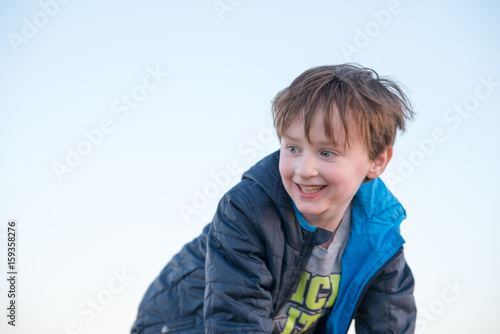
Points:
[308,251]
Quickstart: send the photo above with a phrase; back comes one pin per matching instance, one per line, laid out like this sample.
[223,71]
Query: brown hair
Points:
[377,107]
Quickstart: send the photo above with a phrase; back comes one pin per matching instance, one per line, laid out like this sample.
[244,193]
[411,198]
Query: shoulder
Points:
[257,207]
[244,209]
[251,193]
[396,276]
[260,194]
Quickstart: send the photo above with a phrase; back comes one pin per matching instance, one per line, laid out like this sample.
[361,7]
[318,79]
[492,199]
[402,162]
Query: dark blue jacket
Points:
[236,276]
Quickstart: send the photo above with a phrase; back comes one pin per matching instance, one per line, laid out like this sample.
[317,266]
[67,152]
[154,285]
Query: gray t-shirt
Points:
[317,289]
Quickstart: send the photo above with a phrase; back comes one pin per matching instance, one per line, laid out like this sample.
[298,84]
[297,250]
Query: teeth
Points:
[311,189]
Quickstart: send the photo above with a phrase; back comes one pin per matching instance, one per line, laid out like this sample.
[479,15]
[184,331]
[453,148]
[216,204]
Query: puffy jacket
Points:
[239,272]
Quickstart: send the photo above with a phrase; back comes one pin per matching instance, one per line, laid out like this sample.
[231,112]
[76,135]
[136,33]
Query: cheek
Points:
[340,177]
[285,168]
[348,180]
[334,178]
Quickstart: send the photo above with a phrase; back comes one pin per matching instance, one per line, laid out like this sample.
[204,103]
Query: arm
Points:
[388,306]
[237,292]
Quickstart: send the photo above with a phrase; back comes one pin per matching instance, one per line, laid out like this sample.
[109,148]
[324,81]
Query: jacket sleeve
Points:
[389,306]
[237,292]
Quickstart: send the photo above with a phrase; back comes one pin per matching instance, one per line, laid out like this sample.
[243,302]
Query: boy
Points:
[309,239]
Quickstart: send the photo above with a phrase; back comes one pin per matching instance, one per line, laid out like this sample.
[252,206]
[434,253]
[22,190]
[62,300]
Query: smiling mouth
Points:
[311,189]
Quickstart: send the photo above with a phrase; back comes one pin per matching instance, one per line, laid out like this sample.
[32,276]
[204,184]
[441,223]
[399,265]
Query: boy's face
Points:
[319,177]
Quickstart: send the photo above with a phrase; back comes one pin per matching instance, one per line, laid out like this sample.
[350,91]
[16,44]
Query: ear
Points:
[380,163]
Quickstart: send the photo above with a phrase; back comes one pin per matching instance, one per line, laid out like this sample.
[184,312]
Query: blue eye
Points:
[327,154]
[293,149]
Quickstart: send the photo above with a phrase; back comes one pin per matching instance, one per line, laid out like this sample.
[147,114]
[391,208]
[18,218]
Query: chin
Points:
[308,209]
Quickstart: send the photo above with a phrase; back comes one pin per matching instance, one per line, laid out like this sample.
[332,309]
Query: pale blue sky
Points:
[205,112]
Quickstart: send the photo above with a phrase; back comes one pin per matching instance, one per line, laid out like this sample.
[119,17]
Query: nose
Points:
[307,166]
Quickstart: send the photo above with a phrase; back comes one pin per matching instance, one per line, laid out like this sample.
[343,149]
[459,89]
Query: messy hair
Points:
[374,107]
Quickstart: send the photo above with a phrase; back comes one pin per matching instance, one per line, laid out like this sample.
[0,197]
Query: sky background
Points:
[122,124]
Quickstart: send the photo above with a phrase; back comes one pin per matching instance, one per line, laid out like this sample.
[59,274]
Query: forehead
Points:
[320,126]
